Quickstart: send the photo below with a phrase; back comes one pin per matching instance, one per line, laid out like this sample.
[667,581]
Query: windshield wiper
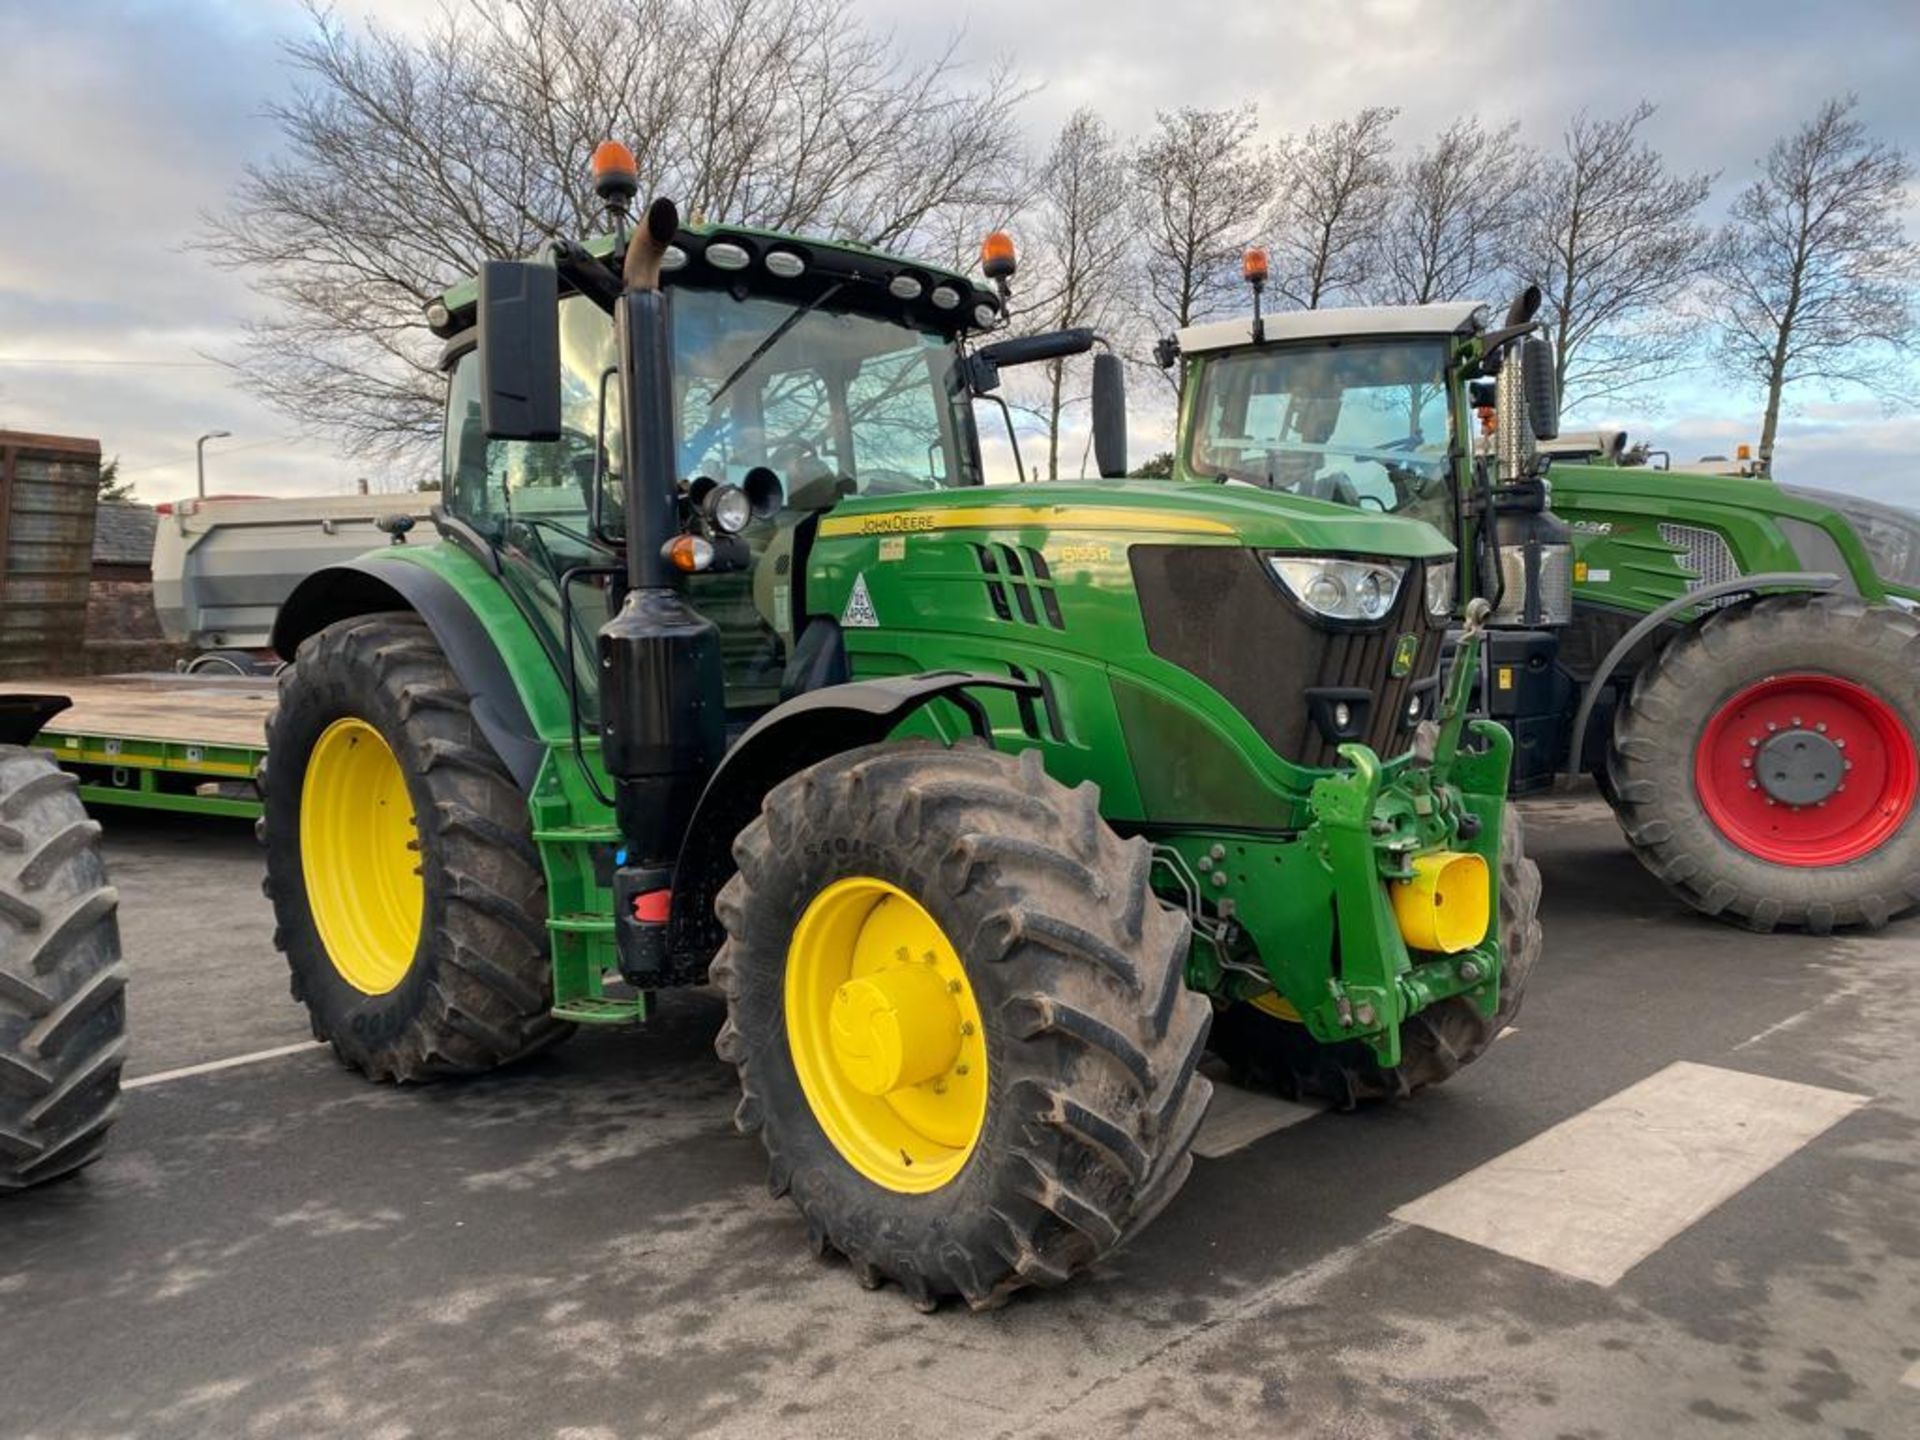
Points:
[800,312]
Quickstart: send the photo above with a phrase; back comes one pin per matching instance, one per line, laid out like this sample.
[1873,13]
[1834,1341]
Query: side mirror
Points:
[1543,395]
[1109,415]
[519,351]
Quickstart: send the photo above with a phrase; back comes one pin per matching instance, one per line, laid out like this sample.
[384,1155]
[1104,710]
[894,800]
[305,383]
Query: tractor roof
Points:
[824,260]
[1453,317]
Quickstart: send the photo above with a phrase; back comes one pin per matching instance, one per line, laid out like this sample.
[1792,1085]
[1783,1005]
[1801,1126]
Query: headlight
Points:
[1439,588]
[1361,590]
[729,509]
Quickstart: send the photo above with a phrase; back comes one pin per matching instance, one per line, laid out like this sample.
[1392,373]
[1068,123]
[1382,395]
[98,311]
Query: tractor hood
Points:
[1205,511]
[1875,544]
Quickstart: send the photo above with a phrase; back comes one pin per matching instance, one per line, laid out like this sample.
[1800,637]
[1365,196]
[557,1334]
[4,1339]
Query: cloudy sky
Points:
[123,121]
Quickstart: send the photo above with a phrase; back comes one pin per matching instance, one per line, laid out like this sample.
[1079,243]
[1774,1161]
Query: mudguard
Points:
[366,587]
[783,742]
[22,716]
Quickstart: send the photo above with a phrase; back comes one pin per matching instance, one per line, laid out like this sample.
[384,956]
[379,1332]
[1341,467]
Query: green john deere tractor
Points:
[974,802]
[1736,662]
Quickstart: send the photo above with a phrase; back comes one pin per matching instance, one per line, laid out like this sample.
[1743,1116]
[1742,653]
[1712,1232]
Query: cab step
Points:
[603,1010]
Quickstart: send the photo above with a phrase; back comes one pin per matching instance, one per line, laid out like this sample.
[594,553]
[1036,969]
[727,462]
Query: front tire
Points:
[1765,769]
[1266,1048]
[62,981]
[406,886]
[1045,936]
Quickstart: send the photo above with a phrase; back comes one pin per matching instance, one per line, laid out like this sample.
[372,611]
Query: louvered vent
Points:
[1019,585]
[1707,554]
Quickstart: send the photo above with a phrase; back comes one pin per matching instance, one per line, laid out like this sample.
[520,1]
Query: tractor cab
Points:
[1349,406]
[803,373]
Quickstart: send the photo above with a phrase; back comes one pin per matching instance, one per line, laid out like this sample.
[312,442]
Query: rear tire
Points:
[1703,708]
[1434,1044]
[62,982]
[477,991]
[1091,1037]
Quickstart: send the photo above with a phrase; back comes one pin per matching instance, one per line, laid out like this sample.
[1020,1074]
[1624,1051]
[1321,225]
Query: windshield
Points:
[834,403]
[1363,424]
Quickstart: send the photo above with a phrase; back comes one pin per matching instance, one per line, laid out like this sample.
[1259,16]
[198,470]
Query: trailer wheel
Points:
[960,1019]
[406,886]
[62,982]
[1765,767]
[1264,1043]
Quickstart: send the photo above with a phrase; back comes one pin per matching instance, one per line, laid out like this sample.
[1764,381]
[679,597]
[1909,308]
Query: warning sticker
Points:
[860,614]
[893,547]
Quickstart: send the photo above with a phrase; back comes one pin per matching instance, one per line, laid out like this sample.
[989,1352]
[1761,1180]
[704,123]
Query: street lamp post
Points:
[200,455]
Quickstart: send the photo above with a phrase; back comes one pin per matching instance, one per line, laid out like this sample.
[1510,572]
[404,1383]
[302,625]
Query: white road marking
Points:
[1600,1192]
[1236,1118]
[1912,1377]
[161,1077]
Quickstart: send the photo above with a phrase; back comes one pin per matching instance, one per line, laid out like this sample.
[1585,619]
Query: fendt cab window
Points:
[834,403]
[1366,425]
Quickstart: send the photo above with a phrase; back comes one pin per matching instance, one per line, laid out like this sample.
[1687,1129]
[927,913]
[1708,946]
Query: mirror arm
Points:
[586,273]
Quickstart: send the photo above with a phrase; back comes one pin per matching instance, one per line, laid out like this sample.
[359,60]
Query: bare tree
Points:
[1202,187]
[1337,184]
[1080,273]
[411,158]
[1611,238]
[1814,277]
[1454,222]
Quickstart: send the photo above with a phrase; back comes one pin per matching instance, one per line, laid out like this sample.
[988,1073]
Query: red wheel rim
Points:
[1767,751]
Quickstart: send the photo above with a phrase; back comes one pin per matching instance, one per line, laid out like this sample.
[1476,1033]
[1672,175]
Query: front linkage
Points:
[1385,899]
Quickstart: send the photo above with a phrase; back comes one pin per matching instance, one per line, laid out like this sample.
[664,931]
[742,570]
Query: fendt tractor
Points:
[1736,662]
[973,802]
[62,983]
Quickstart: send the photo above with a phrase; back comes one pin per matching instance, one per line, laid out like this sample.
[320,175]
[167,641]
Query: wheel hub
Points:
[895,1028]
[1799,767]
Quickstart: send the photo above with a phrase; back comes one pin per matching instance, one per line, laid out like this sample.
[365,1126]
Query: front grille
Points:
[1707,554]
[1219,614]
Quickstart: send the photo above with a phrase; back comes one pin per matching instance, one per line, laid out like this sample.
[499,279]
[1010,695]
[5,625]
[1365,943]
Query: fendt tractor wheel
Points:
[62,983]
[407,892]
[960,1019]
[1264,1042]
[1765,768]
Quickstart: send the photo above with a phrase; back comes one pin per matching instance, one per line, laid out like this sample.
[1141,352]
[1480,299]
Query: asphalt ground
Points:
[583,1247]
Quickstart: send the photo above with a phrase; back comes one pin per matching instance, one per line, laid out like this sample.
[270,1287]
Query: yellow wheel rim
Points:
[886,1035]
[360,856]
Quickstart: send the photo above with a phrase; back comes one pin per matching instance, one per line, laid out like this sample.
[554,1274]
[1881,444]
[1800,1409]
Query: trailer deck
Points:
[161,742]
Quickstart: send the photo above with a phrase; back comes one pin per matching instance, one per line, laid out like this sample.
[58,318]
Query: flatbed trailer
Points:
[190,743]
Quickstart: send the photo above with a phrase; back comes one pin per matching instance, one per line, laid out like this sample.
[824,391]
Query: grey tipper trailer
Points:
[223,567]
